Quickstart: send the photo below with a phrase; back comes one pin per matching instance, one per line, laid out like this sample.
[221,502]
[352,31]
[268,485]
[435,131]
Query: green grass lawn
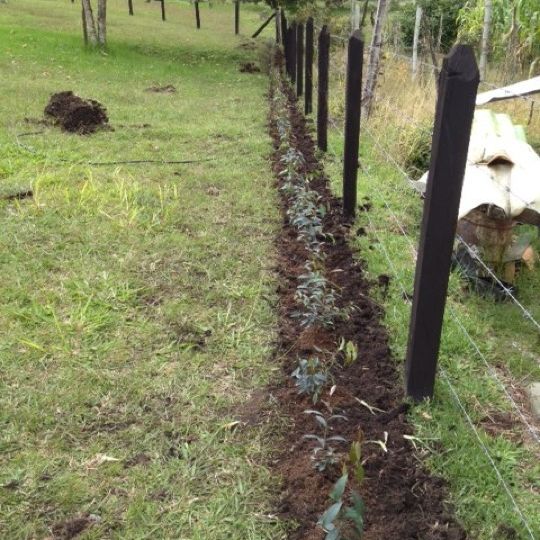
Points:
[136,300]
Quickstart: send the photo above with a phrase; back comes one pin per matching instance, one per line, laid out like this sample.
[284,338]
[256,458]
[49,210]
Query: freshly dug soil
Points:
[75,114]
[249,67]
[403,501]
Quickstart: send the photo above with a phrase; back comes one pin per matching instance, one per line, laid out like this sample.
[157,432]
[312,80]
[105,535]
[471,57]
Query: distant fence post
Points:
[236,17]
[322,90]
[292,46]
[458,84]
[130,6]
[278,26]
[308,90]
[162,10]
[353,101]
[283,22]
[299,59]
[197,15]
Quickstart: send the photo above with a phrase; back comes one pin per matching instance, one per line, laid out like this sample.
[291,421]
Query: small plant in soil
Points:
[338,517]
[324,455]
[350,352]
[316,299]
[310,377]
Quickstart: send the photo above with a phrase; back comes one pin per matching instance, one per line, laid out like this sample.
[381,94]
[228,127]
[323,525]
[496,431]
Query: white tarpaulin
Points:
[523,88]
[502,169]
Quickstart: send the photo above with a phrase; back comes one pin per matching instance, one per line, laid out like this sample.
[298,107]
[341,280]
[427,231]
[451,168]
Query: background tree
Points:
[95,34]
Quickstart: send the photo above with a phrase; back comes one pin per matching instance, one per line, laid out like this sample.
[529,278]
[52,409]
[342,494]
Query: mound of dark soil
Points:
[249,67]
[75,114]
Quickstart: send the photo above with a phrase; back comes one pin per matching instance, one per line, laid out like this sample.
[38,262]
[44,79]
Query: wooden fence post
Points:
[353,100]
[458,84]
[283,22]
[278,26]
[237,17]
[292,46]
[130,6]
[197,15]
[299,59]
[308,95]
[162,10]
[322,90]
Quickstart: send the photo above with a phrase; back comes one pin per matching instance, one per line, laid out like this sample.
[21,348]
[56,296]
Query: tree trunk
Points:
[374,56]
[364,13]
[439,37]
[488,10]
[102,23]
[417,24]
[90,22]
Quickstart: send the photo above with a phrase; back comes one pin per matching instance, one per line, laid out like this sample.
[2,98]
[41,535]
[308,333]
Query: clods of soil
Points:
[75,114]
[249,67]
[66,530]
[167,89]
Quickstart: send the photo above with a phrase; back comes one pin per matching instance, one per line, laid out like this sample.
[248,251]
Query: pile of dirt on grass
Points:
[249,67]
[75,114]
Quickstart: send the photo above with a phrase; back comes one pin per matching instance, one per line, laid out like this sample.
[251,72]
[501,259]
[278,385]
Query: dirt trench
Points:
[403,501]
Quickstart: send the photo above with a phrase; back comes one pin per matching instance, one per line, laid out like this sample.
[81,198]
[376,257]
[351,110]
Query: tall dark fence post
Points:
[283,22]
[162,10]
[130,6]
[353,101]
[458,84]
[322,91]
[299,59]
[197,14]
[292,46]
[237,17]
[278,26]
[308,91]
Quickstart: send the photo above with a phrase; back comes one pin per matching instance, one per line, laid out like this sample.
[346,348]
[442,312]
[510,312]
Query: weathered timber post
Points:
[162,10]
[308,91]
[197,15]
[353,100]
[278,26]
[283,22]
[299,59]
[322,90]
[292,46]
[237,17]
[458,84]
[130,7]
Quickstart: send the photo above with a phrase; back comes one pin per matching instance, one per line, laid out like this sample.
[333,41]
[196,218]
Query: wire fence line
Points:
[473,252]
[531,429]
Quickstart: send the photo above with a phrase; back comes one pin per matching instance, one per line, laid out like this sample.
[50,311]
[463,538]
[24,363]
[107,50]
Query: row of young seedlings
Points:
[317,307]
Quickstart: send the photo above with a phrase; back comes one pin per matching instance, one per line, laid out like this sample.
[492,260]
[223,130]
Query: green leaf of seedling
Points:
[339,488]
[327,519]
